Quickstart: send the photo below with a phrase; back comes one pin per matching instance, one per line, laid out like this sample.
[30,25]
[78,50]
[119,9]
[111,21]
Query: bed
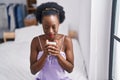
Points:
[14,57]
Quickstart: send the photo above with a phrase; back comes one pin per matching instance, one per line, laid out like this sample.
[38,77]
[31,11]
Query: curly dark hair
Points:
[50,8]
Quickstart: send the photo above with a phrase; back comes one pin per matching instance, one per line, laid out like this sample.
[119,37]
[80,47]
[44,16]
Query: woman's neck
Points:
[50,39]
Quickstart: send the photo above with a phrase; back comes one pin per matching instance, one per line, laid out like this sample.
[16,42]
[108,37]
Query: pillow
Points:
[63,29]
[27,33]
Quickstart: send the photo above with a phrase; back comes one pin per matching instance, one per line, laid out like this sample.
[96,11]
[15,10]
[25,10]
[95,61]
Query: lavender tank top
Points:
[51,69]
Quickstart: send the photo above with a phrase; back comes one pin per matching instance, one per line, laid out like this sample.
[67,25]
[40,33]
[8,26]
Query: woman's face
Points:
[50,26]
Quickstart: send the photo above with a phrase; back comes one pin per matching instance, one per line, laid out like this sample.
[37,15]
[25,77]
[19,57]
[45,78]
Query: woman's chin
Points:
[51,38]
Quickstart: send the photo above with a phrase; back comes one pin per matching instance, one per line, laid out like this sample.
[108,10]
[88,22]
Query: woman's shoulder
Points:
[36,39]
[67,40]
[66,37]
[62,35]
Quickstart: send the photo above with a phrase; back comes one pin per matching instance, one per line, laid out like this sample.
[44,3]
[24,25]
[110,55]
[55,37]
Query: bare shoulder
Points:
[35,42]
[68,42]
[68,39]
[35,39]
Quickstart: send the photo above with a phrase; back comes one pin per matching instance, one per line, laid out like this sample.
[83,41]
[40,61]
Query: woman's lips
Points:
[51,35]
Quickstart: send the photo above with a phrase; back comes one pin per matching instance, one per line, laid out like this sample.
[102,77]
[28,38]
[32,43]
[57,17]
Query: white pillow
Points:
[27,33]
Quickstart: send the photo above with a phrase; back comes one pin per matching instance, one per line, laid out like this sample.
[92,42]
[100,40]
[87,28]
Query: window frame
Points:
[112,37]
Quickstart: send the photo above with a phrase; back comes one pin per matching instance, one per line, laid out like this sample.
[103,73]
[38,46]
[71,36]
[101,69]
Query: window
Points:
[114,66]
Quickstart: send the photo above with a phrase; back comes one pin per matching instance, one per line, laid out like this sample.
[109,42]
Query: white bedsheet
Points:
[14,62]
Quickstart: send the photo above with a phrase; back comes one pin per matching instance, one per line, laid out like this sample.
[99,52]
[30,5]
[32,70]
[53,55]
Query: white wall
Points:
[84,29]
[100,39]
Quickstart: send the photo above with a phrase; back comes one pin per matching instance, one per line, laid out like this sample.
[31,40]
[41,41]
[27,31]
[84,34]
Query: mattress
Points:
[15,62]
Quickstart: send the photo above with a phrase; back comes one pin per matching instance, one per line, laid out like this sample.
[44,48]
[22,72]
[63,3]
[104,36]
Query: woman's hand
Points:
[52,49]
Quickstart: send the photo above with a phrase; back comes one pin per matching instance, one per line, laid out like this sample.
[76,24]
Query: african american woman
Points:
[51,53]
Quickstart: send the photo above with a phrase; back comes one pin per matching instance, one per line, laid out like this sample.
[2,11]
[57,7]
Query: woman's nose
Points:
[51,30]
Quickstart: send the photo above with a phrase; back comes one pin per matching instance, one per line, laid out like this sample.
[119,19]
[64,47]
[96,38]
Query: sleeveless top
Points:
[51,69]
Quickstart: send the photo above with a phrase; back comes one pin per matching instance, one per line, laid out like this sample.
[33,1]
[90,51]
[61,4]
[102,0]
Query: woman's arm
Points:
[67,64]
[36,65]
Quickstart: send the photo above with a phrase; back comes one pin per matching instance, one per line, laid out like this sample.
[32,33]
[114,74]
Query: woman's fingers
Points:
[53,48]
[53,51]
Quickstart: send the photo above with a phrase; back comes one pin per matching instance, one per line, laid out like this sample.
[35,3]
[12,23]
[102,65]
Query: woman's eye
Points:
[53,27]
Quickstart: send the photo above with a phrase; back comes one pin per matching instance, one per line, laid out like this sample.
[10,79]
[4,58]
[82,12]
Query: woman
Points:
[51,60]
